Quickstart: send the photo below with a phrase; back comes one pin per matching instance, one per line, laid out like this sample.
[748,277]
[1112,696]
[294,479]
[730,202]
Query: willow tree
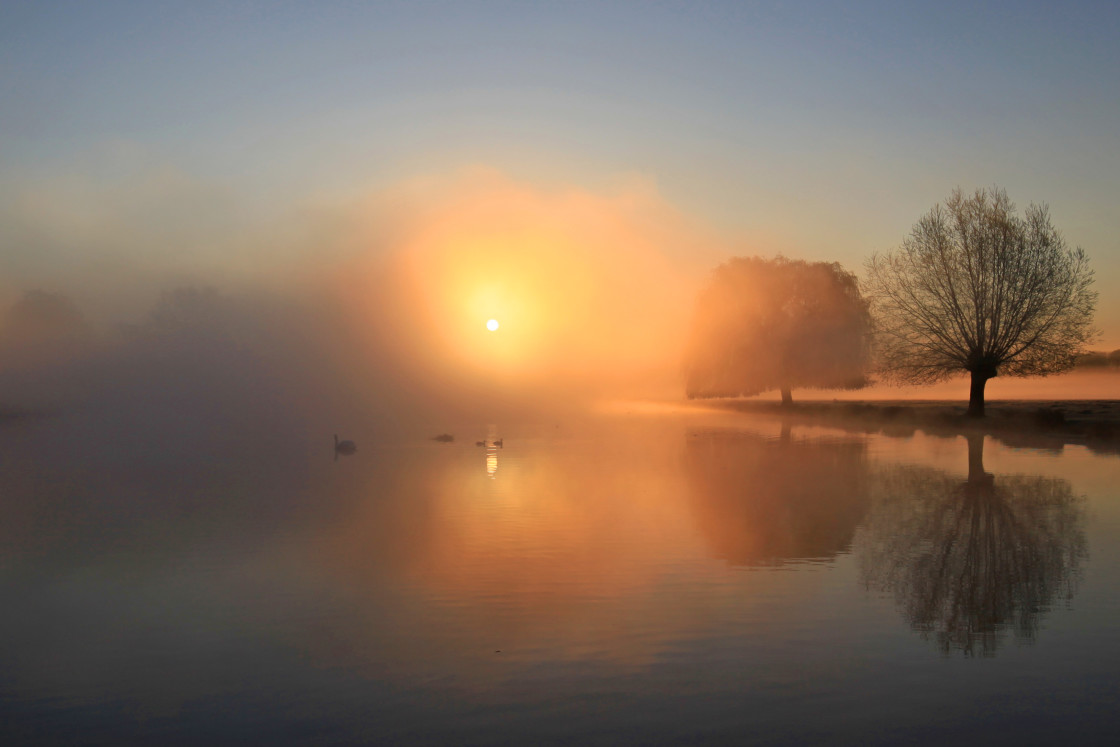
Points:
[976,288]
[764,324]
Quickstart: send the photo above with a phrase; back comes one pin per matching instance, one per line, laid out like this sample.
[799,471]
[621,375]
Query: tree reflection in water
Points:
[762,501]
[968,561]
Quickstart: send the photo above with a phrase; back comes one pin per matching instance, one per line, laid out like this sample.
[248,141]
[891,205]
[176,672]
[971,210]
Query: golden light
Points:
[598,302]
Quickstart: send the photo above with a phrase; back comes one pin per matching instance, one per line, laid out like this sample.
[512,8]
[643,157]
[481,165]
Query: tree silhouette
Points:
[46,345]
[968,561]
[764,324]
[976,288]
[41,324]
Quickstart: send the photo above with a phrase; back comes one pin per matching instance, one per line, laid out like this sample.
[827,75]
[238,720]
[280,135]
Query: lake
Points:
[642,576]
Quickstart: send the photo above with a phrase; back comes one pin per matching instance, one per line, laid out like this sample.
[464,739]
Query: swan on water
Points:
[344,447]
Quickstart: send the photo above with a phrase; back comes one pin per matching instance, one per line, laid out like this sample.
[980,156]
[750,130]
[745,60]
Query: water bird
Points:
[343,447]
[444,437]
[490,444]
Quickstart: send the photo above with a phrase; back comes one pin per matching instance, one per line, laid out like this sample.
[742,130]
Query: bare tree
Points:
[977,288]
[764,324]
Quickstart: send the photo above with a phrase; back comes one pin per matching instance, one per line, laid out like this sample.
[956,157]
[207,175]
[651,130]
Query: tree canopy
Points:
[976,288]
[764,324]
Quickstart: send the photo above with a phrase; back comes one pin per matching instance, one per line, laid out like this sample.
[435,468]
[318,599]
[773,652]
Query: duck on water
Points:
[345,448]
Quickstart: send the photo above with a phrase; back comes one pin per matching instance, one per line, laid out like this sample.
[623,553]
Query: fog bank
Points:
[372,309]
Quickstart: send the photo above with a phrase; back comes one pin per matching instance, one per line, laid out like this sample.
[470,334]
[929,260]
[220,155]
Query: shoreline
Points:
[1040,424]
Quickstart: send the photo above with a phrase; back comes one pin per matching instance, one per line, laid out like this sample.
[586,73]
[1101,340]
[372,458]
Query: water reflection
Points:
[969,560]
[492,444]
[550,544]
[403,593]
[762,501]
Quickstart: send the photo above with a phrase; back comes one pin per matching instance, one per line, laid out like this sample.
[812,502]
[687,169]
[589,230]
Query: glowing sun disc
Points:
[492,325]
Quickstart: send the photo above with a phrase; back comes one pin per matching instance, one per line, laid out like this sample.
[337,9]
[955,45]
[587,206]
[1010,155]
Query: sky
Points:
[146,145]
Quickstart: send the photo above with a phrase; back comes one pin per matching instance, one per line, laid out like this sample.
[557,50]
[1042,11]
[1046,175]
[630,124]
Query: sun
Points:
[492,325]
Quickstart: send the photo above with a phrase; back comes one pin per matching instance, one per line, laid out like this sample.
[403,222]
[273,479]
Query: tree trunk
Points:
[787,396]
[977,477]
[976,395]
[975,457]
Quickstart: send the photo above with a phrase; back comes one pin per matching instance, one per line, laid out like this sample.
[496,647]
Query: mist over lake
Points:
[664,575]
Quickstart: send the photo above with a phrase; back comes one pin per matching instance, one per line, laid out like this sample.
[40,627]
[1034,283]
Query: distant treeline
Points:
[1099,359]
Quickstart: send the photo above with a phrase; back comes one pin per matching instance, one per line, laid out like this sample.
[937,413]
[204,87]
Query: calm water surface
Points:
[650,578]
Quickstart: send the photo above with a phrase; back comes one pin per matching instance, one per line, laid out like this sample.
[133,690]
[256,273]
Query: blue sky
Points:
[819,130]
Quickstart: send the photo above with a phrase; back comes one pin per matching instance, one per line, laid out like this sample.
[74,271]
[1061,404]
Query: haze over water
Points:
[658,577]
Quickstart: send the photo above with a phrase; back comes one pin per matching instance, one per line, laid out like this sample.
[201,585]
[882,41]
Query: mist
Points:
[364,312]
